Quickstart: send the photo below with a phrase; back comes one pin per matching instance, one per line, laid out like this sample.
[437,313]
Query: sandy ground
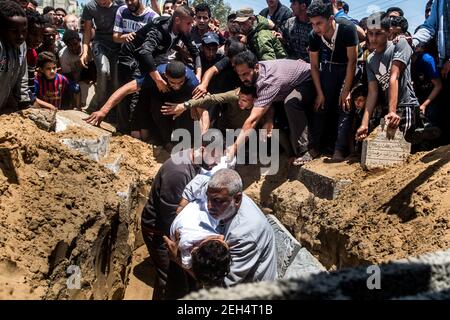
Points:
[142,276]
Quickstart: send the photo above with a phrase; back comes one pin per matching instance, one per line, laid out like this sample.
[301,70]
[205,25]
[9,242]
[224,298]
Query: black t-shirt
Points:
[166,193]
[335,50]
[227,79]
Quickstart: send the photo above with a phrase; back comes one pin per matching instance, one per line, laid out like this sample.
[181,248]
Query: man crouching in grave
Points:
[161,209]
[246,231]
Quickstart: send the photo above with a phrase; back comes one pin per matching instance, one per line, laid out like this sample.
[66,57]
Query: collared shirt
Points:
[193,224]
[296,34]
[277,79]
[252,245]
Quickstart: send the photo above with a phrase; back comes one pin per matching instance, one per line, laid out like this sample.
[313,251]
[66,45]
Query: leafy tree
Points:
[219,9]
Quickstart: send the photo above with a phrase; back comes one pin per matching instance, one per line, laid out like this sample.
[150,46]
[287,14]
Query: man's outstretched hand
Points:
[96,118]
[175,109]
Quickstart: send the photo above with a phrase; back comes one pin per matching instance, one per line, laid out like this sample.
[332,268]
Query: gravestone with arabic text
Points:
[384,147]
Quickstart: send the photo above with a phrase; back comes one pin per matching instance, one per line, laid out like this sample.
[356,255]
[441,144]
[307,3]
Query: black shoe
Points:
[425,134]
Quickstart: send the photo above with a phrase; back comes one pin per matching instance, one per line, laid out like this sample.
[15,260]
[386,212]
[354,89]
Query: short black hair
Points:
[235,48]
[168,1]
[48,9]
[428,6]
[45,57]
[211,263]
[61,9]
[400,22]
[34,17]
[360,90]
[248,91]
[9,9]
[320,9]
[202,7]
[70,35]
[307,2]
[246,57]
[176,69]
[34,3]
[395,9]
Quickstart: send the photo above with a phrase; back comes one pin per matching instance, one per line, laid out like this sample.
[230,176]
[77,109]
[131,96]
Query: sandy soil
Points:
[57,207]
[383,215]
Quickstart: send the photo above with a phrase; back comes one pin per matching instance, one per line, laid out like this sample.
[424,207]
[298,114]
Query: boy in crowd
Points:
[399,27]
[427,86]
[129,19]
[34,39]
[295,31]
[276,12]
[104,49]
[333,54]
[69,59]
[49,39]
[50,86]
[13,66]
[203,24]
[168,8]
[389,67]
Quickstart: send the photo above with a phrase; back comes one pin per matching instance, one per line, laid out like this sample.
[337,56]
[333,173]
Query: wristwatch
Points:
[187,105]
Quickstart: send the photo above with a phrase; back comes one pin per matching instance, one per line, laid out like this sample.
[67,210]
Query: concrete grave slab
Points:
[90,140]
[292,259]
[384,147]
[325,180]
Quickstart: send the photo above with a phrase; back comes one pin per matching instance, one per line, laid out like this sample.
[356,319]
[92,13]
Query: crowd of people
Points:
[321,77]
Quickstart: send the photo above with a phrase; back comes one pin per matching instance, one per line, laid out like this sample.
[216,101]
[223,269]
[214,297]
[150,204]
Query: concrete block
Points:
[304,264]
[384,147]
[325,180]
[287,245]
[75,118]
[88,140]
[292,260]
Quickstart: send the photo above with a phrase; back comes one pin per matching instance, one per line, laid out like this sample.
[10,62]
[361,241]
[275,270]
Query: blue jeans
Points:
[106,64]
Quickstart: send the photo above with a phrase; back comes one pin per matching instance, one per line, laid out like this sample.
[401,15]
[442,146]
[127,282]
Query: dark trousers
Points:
[126,118]
[171,282]
[297,105]
[323,122]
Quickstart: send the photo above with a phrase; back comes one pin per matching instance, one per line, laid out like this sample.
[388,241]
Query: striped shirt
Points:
[126,22]
[51,91]
[278,78]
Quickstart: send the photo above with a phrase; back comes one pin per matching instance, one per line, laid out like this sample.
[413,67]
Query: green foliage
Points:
[219,9]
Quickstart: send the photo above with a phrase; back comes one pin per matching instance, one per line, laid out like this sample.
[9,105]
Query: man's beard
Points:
[228,213]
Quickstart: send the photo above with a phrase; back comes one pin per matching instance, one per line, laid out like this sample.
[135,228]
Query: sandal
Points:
[302,160]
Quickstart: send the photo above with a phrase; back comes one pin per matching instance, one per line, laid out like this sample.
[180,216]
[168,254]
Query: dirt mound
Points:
[383,215]
[59,208]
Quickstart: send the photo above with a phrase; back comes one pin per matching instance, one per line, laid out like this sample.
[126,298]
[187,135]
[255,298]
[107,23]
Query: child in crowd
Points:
[49,39]
[69,59]
[50,86]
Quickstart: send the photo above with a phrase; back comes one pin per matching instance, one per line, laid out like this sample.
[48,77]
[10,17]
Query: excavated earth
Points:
[381,216]
[59,209]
